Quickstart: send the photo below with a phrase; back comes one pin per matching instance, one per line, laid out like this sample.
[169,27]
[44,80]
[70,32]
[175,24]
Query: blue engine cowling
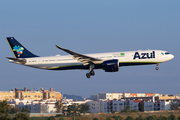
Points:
[111,65]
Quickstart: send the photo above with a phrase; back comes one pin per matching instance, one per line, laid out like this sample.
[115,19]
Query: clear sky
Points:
[91,26]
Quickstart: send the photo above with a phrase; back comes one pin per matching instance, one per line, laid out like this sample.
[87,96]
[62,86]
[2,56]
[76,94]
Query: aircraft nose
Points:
[171,56]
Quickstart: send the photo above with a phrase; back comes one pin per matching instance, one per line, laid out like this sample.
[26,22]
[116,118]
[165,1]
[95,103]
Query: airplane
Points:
[109,62]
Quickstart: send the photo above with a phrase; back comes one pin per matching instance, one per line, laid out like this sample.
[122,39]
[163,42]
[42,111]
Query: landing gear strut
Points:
[157,68]
[91,73]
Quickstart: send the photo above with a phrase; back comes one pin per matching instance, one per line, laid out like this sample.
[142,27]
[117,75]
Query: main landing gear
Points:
[91,72]
[157,68]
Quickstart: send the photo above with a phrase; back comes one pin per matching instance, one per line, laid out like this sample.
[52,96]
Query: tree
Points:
[174,106]
[129,118]
[162,118]
[108,118]
[12,109]
[126,109]
[141,106]
[52,118]
[172,117]
[22,116]
[3,106]
[73,109]
[140,117]
[95,119]
[153,117]
[61,118]
[5,116]
[134,110]
[84,108]
[59,106]
[118,118]
[25,109]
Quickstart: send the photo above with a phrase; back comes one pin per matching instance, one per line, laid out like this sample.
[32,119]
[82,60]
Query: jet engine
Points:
[111,65]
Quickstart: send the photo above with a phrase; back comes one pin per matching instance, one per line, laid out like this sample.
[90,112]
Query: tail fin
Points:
[19,50]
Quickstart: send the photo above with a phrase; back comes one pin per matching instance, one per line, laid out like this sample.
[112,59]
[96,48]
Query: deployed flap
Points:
[81,58]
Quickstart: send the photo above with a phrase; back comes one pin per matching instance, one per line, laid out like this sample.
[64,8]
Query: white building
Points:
[134,105]
[165,105]
[115,105]
[110,96]
[148,106]
[94,97]
[103,106]
[36,106]
[94,106]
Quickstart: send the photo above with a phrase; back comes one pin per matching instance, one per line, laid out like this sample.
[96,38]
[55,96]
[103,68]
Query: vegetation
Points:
[108,118]
[129,118]
[140,117]
[141,106]
[163,118]
[172,117]
[118,117]
[59,106]
[6,111]
[174,106]
[52,118]
[21,116]
[127,110]
[39,118]
[84,108]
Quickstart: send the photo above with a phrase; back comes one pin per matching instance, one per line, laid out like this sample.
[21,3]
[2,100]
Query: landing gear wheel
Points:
[88,75]
[157,68]
[92,73]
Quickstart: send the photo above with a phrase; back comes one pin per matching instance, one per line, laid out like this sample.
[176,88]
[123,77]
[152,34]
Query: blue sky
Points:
[91,27]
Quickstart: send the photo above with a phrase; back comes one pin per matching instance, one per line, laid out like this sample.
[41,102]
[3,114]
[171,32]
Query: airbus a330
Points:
[109,62]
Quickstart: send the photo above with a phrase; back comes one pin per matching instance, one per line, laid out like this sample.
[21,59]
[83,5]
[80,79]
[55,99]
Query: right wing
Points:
[86,60]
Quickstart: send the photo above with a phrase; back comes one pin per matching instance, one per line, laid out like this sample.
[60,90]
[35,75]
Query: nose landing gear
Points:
[157,68]
[91,73]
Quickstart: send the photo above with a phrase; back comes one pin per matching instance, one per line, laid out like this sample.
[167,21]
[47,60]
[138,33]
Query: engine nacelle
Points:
[111,65]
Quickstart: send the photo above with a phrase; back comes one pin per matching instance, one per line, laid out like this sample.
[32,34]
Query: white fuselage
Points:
[139,57]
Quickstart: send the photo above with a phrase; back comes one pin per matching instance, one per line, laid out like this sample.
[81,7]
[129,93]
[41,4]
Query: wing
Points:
[82,58]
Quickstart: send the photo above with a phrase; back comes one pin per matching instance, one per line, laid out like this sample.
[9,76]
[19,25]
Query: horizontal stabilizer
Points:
[20,60]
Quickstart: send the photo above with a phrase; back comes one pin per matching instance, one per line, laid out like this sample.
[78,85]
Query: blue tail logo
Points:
[18,49]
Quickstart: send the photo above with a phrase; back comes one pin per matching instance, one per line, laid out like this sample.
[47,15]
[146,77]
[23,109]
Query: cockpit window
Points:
[166,53]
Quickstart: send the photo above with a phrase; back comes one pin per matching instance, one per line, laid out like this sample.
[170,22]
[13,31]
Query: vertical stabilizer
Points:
[19,50]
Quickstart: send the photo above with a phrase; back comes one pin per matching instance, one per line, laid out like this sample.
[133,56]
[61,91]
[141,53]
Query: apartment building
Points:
[94,106]
[107,96]
[112,96]
[168,97]
[35,106]
[115,105]
[132,104]
[30,94]
[148,106]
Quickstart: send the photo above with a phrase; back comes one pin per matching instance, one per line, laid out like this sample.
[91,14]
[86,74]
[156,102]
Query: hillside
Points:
[74,97]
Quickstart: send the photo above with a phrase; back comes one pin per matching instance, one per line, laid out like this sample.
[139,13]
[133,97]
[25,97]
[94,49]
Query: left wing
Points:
[86,60]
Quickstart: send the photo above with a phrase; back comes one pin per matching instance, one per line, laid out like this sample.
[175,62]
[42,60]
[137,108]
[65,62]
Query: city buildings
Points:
[25,94]
[35,106]
[43,101]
